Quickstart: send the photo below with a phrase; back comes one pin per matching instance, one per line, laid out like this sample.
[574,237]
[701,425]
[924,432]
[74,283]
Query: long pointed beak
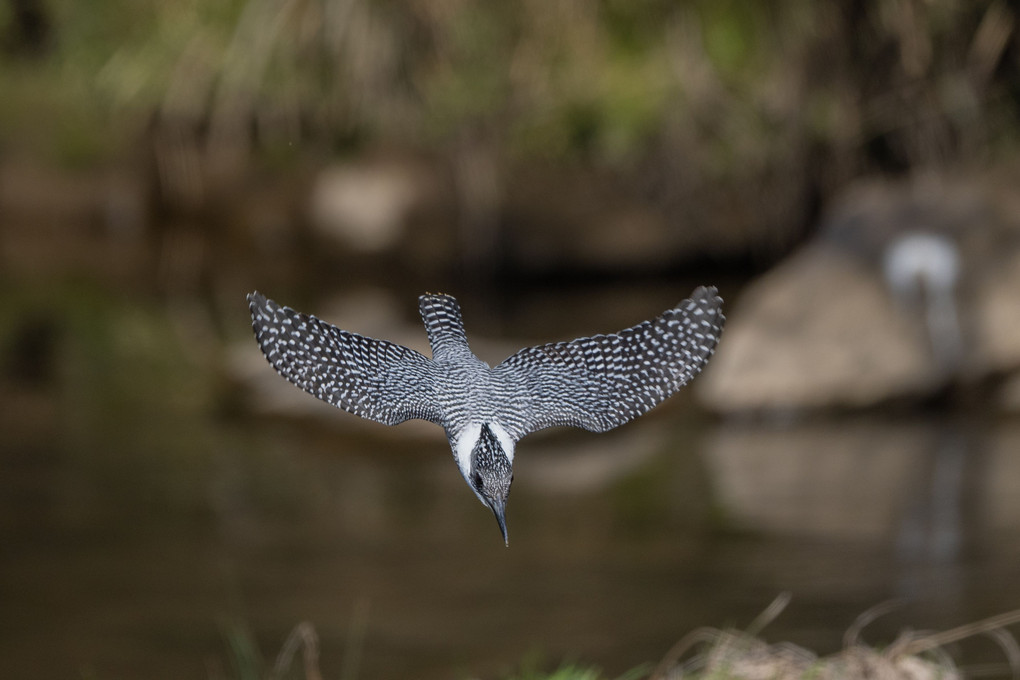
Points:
[499,510]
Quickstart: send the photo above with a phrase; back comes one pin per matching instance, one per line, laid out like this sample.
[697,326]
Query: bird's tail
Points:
[444,324]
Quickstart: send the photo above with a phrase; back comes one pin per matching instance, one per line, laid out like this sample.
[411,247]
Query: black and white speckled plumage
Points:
[604,381]
[596,383]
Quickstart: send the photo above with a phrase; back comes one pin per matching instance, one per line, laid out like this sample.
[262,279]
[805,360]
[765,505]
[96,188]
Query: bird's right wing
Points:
[371,378]
[601,382]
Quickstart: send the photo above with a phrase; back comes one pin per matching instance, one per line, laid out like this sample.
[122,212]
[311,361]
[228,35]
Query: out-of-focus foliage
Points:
[570,671]
[734,119]
[731,83]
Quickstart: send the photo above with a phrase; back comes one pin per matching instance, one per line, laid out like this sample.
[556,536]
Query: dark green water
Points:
[141,529]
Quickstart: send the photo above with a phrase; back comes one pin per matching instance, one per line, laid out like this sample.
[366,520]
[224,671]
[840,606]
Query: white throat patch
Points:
[465,444]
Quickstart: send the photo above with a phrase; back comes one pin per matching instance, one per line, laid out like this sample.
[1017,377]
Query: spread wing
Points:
[604,381]
[374,379]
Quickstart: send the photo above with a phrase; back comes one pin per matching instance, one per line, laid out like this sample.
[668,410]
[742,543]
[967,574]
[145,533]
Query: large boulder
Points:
[909,289]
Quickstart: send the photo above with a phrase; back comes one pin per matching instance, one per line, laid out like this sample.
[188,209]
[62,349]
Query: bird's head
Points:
[491,473]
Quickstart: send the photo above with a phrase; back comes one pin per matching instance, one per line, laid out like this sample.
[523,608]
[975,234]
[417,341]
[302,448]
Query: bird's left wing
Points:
[604,381]
[374,379]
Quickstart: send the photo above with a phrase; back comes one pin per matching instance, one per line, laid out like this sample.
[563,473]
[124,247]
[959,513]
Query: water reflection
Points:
[108,568]
[136,525]
[923,490]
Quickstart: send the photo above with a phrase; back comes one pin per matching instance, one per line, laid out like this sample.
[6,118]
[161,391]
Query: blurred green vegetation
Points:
[116,358]
[118,385]
[299,658]
[735,87]
[535,666]
[570,671]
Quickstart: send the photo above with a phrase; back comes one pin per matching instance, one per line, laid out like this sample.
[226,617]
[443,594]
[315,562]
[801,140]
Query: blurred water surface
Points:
[147,519]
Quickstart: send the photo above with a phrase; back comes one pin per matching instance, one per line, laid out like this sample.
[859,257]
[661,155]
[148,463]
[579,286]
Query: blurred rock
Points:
[365,206]
[818,331]
[469,211]
[908,289]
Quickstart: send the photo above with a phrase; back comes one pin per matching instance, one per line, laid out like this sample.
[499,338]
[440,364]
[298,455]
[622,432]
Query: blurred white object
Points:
[922,269]
[364,207]
[909,292]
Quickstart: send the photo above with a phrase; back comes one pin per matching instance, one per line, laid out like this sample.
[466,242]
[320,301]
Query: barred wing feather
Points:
[604,381]
[374,379]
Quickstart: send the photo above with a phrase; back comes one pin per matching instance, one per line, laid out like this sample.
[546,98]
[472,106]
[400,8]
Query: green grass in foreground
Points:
[571,671]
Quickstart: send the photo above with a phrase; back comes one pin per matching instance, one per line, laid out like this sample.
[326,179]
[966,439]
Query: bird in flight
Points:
[596,383]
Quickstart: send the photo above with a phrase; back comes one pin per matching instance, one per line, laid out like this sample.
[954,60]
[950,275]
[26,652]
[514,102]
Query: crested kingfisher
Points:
[596,383]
